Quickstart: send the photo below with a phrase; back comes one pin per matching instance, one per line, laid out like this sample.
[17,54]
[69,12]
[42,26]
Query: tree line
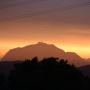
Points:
[47,74]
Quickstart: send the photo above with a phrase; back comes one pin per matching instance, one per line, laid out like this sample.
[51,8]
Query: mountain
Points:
[43,50]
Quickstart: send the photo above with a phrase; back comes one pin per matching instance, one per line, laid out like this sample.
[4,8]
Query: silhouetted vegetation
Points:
[48,74]
[2,81]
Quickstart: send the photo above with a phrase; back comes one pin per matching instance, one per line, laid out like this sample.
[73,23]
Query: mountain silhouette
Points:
[43,50]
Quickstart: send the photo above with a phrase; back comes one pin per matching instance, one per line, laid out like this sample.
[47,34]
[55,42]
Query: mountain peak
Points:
[42,50]
[41,43]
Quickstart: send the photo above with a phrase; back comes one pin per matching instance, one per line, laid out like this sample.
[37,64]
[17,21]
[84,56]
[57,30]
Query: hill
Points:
[43,50]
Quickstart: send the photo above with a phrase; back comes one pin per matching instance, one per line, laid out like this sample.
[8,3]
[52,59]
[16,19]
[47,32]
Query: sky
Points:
[65,23]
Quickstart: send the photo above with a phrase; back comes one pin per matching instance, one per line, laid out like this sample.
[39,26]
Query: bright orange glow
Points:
[69,38]
[81,50]
[24,25]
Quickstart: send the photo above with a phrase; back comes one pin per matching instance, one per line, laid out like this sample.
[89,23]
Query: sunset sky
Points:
[65,23]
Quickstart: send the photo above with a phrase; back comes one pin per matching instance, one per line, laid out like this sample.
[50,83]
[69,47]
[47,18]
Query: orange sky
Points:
[50,21]
[69,41]
[83,51]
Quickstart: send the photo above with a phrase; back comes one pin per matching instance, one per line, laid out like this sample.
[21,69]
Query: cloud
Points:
[42,9]
[4,4]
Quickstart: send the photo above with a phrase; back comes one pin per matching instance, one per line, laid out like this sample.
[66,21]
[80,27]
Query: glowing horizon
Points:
[64,23]
[81,51]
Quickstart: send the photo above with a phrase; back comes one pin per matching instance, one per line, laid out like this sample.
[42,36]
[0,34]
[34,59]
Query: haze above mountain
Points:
[43,50]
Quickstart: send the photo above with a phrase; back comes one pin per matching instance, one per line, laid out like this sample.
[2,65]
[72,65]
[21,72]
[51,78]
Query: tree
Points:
[48,74]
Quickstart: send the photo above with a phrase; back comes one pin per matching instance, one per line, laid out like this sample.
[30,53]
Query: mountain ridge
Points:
[43,50]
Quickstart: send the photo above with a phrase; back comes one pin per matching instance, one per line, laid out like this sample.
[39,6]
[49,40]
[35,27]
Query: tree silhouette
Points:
[2,81]
[48,74]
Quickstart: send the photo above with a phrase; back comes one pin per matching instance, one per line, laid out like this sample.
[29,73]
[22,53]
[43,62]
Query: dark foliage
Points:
[2,81]
[48,74]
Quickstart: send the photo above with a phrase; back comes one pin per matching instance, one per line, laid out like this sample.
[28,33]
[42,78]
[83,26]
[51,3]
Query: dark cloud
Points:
[14,3]
[52,12]
[22,10]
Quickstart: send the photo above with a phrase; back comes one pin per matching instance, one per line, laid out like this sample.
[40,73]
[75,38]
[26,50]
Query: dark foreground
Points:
[48,74]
